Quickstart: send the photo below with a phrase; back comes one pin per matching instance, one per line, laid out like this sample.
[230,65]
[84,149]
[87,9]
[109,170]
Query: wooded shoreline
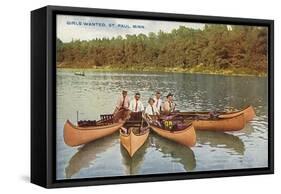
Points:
[225,72]
[216,49]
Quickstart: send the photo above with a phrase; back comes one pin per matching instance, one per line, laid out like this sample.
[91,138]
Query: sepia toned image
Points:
[142,97]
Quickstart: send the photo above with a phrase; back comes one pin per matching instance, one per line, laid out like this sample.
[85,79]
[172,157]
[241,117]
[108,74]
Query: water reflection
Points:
[217,139]
[87,154]
[179,154]
[133,164]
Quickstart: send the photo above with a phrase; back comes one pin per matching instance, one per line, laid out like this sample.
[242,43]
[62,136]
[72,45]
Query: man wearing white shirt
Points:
[151,109]
[136,105]
[158,101]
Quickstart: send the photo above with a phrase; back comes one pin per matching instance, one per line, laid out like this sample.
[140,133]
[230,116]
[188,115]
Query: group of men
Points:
[155,105]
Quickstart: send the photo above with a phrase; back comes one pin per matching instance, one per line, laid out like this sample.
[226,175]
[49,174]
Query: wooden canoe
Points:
[249,113]
[234,123]
[80,73]
[75,135]
[137,133]
[186,136]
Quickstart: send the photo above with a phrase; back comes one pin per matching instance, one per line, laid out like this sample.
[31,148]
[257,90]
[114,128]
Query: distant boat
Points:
[80,73]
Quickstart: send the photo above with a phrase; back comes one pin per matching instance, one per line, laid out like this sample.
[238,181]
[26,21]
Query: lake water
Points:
[97,92]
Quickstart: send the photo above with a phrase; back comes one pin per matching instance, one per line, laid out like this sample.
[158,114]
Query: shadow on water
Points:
[87,154]
[179,154]
[133,164]
[221,140]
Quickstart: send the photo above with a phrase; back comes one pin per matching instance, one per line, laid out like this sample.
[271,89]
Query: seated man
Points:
[151,109]
[158,101]
[136,105]
[169,106]
[122,104]
[123,101]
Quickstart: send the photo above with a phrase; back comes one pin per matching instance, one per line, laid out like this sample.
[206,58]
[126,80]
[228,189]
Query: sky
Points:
[77,27]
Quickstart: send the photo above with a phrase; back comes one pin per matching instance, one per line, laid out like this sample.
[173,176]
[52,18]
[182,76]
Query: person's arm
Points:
[161,106]
[117,107]
[156,111]
[166,107]
[147,113]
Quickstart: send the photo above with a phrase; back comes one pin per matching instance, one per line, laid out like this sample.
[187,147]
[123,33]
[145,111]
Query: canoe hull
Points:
[234,123]
[75,136]
[132,142]
[186,137]
[249,114]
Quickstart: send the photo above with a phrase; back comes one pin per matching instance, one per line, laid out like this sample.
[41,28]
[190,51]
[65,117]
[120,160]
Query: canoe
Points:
[133,164]
[133,141]
[133,134]
[234,123]
[185,136]
[249,113]
[76,135]
[80,73]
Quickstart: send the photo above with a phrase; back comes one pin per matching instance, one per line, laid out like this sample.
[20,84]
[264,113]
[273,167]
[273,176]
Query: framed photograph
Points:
[125,96]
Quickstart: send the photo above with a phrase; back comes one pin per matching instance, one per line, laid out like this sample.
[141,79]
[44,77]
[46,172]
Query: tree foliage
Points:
[214,47]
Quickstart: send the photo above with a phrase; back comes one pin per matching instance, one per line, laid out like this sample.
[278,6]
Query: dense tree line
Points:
[214,47]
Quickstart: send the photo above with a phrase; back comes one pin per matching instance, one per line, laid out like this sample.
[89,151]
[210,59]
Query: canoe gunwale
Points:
[221,119]
[206,112]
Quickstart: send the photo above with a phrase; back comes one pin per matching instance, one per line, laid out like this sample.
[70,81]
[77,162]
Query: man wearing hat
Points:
[123,102]
[151,109]
[136,105]
[169,105]
[158,101]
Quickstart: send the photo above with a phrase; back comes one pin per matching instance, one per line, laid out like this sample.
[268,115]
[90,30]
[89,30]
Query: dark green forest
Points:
[214,49]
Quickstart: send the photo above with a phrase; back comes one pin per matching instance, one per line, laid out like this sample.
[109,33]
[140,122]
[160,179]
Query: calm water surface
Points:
[97,92]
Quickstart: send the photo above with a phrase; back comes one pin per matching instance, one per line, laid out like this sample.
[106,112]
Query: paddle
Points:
[141,123]
[77,116]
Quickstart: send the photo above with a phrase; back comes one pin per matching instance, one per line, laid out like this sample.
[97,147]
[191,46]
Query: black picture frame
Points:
[43,96]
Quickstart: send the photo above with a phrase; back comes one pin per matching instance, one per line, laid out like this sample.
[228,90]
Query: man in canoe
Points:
[136,105]
[169,105]
[151,109]
[123,102]
[122,111]
[158,101]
